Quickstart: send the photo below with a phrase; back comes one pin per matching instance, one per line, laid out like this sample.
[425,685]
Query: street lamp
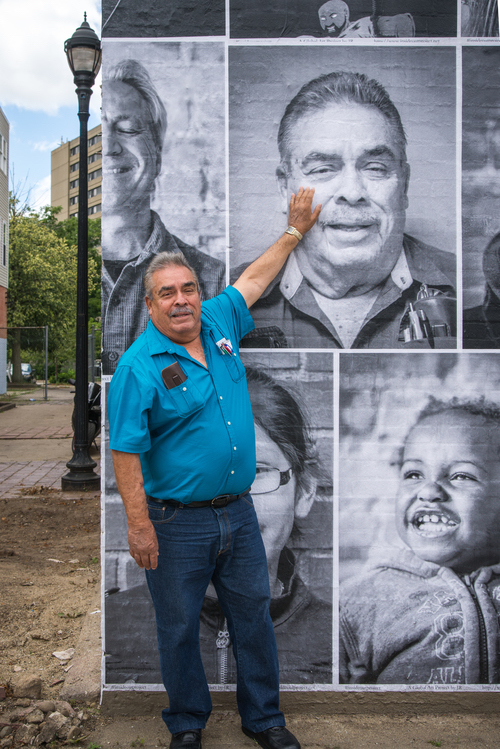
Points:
[83,51]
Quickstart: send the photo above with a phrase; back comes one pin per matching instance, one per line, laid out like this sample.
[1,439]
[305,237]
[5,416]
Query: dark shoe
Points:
[186,739]
[277,737]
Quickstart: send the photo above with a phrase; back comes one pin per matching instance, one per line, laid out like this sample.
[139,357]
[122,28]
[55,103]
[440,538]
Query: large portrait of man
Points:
[369,274]
[163,175]
[292,402]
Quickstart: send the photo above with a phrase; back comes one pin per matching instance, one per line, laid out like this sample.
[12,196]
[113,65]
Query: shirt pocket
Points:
[234,367]
[186,398]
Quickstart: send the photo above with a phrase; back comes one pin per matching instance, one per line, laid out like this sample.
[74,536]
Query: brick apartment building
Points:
[65,178]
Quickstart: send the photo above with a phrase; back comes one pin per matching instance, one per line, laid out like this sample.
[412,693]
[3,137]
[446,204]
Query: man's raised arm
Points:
[256,278]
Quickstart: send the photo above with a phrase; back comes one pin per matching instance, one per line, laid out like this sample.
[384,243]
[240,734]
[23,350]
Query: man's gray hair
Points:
[164,260]
[134,74]
[339,88]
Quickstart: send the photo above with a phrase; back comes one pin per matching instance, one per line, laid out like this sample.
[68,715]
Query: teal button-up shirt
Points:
[197,440]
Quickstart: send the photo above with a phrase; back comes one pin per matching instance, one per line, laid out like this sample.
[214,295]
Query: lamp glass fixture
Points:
[83,50]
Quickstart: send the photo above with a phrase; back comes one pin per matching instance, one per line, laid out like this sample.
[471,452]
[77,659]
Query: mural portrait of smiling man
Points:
[358,279]
[137,199]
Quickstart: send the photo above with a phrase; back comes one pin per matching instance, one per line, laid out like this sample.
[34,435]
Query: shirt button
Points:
[234,448]
[220,396]
[184,389]
[229,423]
[232,471]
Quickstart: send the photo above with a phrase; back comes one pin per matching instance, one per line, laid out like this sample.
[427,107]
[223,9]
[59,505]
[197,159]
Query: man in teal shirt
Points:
[181,431]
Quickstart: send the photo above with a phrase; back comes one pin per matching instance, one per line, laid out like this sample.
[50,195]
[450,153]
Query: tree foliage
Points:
[42,279]
[68,230]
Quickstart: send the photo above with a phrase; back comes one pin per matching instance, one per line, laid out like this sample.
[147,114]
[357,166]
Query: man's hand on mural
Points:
[258,275]
[300,215]
[143,546]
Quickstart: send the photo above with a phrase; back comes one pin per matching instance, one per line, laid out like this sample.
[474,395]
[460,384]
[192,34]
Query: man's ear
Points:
[283,187]
[148,304]
[305,499]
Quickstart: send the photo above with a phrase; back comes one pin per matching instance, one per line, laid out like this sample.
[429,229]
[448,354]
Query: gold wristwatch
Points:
[294,232]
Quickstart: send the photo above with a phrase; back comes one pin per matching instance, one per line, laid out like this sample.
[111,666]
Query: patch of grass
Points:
[137,742]
[94,560]
[434,743]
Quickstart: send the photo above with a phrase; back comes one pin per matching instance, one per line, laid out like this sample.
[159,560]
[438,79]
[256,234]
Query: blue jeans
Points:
[224,545]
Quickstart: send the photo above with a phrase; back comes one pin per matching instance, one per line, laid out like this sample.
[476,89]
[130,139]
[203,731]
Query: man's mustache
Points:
[349,218]
[181,311]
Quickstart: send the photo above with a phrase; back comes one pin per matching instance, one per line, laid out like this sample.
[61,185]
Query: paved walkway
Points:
[35,433]
[19,476]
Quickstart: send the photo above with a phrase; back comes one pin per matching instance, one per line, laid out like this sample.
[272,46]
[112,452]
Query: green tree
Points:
[42,282]
[67,229]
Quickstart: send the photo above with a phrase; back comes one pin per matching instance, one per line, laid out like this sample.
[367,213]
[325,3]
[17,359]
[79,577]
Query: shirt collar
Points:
[158,343]
[292,276]
[401,274]
[291,279]
[152,246]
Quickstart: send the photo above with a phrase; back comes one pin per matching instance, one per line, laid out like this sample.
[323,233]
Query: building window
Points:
[4,243]
[95,191]
[74,151]
[95,139]
[95,175]
[74,201]
[74,184]
[94,209]
[3,154]
[74,167]
[73,215]
[94,157]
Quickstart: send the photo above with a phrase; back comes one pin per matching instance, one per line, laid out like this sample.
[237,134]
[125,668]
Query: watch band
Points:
[294,232]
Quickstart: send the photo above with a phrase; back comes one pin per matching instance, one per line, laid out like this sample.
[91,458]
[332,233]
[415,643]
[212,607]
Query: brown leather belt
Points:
[221,501]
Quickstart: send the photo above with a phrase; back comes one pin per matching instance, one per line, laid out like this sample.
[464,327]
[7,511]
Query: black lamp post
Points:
[83,51]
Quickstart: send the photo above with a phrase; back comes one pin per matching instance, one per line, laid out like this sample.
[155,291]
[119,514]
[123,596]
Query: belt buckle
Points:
[220,501]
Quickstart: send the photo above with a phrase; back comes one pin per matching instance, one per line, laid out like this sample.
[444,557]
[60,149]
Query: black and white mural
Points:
[292,402]
[419,524]
[164,184]
[376,425]
[386,237]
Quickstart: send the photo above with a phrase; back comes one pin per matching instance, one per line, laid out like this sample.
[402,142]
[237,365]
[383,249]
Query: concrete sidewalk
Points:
[17,476]
[40,430]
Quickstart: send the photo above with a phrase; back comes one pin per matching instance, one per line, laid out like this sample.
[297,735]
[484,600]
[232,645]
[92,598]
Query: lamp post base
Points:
[81,476]
[81,481]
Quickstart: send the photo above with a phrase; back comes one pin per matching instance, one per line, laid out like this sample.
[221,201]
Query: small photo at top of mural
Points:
[346,19]
[162,18]
[480,18]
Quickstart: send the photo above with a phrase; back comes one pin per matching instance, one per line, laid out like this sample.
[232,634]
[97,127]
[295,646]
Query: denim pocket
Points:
[248,499]
[160,514]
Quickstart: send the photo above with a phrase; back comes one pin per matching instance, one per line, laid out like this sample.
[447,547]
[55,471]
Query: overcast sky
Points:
[37,93]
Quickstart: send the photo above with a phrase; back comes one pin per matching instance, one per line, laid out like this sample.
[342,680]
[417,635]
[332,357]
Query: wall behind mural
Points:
[385,572]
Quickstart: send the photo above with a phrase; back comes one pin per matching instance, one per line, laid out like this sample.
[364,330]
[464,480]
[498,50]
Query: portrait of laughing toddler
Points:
[429,612]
